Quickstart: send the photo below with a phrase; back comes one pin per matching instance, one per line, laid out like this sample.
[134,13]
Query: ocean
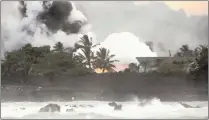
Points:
[154,109]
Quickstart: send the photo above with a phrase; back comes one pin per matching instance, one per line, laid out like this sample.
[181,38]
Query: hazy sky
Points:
[190,7]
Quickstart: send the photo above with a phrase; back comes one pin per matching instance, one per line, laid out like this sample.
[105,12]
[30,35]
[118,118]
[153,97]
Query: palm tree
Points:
[103,60]
[202,50]
[185,51]
[85,44]
[58,47]
[200,66]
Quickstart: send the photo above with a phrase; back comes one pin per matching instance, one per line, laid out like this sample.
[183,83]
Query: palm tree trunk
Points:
[145,67]
[89,63]
[26,74]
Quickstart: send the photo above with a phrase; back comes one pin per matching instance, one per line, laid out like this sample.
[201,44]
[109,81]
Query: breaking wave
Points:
[153,108]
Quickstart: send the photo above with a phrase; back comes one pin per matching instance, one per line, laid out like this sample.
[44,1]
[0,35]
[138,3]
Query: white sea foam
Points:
[154,109]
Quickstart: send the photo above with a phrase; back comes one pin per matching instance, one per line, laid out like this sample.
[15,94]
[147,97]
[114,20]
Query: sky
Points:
[190,7]
[144,27]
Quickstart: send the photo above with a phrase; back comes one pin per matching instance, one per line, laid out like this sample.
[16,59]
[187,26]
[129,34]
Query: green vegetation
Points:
[86,45]
[197,66]
[186,60]
[104,60]
[30,61]
[200,65]
[38,61]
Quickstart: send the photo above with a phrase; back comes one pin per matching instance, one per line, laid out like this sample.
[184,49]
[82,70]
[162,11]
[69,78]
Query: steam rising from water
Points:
[42,27]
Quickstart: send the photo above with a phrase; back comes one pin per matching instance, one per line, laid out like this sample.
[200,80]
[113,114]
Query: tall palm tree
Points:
[85,44]
[103,60]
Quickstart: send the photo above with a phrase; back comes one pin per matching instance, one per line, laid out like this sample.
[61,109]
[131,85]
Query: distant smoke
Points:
[40,23]
[168,29]
[150,44]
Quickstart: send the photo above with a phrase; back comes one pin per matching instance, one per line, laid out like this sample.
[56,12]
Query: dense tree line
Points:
[44,61]
[30,60]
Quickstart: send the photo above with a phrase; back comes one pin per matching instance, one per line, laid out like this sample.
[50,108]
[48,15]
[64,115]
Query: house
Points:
[165,64]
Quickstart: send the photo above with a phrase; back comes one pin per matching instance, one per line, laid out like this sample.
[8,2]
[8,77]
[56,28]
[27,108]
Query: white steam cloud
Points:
[126,46]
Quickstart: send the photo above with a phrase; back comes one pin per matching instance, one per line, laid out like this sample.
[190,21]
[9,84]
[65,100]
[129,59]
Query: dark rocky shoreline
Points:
[107,87]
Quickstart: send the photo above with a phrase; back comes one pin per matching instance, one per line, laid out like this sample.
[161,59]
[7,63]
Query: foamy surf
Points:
[101,110]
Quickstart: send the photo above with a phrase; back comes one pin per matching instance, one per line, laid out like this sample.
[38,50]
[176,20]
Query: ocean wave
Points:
[153,108]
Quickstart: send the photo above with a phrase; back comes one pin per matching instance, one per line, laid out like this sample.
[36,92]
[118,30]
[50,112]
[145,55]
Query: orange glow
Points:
[190,7]
[120,67]
[98,70]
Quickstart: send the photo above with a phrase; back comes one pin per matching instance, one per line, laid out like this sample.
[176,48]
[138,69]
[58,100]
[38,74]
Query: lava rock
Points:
[50,108]
[115,105]
[118,107]
[112,104]
[70,110]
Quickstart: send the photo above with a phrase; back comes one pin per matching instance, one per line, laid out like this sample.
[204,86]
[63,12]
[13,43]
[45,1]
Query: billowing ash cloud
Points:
[40,23]
[58,15]
[47,22]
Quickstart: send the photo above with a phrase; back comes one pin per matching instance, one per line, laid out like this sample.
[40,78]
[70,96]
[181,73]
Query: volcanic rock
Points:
[112,104]
[115,105]
[118,107]
[70,110]
[50,108]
